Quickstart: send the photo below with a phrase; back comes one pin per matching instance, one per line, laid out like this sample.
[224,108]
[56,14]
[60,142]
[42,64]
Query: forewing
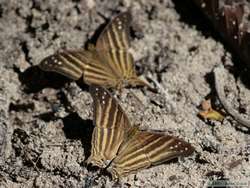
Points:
[146,149]
[77,63]
[115,35]
[113,45]
[68,63]
[111,127]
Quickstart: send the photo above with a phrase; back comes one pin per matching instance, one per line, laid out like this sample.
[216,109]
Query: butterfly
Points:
[109,63]
[121,148]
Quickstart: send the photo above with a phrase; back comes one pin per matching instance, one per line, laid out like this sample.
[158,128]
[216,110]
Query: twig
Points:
[219,76]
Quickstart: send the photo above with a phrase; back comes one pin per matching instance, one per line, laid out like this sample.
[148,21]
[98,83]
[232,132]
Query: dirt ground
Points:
[46,120]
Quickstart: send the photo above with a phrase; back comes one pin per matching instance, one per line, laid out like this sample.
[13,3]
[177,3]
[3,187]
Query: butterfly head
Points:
[114,174]
[96,161]
[136,81]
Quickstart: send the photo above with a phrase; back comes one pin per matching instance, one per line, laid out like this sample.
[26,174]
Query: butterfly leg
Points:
[119,87]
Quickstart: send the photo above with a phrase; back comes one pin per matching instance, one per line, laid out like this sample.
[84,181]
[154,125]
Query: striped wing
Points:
[78,63]
[113,45]
[111,127]
[68,63]
[115,35]
[146,149]
[109,64]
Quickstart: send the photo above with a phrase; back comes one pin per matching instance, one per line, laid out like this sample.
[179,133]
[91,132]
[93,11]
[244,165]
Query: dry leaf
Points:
[209,113]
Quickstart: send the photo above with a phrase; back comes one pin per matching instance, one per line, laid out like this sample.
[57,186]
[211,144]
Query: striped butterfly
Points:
[121,148]
[108,64]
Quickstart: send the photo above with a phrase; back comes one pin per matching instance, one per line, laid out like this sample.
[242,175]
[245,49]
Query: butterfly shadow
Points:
[35,80]
[77,128]
[98,31]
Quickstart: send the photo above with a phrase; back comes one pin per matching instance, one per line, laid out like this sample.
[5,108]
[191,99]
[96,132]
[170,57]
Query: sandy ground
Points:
[46,120]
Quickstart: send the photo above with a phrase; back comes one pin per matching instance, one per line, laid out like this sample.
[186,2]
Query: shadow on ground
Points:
[34,79]
[77,128]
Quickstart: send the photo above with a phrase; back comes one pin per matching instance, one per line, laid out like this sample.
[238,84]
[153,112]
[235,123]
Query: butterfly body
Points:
[126,148]
[108,64]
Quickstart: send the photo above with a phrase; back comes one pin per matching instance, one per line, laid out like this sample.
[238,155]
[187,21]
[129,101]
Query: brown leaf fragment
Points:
[208,112]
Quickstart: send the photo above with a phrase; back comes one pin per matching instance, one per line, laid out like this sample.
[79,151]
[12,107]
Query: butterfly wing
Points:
[68,63]
[113,45]
[108,65]
[77,63]
[111,127]
[145,149]
[115,35]
[98,73]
